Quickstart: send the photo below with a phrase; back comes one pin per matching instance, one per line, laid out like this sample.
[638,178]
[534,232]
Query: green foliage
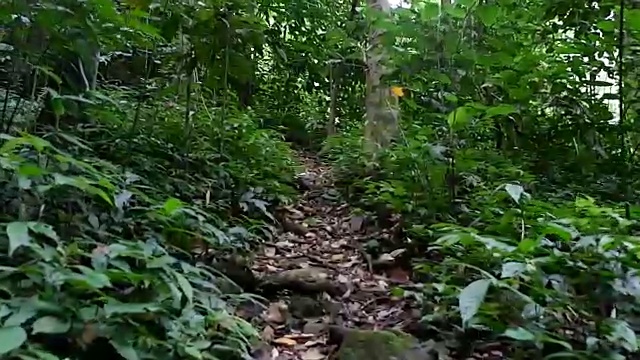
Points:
[123,167]
[86,246]
[506,121]
[116,167]
[561,280]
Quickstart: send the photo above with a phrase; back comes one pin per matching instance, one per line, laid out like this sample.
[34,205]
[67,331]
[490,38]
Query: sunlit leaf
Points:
[514,191]
[125,350]
[623,331]
[520,334]
[11,338]
[459,118]
[114,308]
[172,205]
[503,109]
[185,286]
[511,269]
[488,14]
[471,298]
[23,314]
[50,325]
[18,233]
[43,229]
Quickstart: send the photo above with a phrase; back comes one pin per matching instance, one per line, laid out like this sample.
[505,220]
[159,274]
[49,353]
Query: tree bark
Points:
[382,111]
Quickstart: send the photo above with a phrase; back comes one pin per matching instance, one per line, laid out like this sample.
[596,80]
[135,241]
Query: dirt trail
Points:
[324,278]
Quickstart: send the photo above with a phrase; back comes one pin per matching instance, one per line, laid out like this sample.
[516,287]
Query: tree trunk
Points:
[382,112]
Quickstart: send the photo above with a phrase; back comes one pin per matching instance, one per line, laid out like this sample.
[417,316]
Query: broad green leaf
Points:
[430,11]
[125,350]
[624,332]
[11,338]
[470,299]
[172,205]
[160,262]
[632,19]
[520,334]
[18,233]
[607,25]
[458,118]
[492,243]
[511,269]
[455,11]
[4,311]
[43,229]
[488,14]
[193,352]
[37,142]
[47,71]
[532,311]
[113,308]
[91,278]
[503,109]
[515,191]
[185,286]
[25,313]
[58,106]
[564,232]
[50,325]
[30,170]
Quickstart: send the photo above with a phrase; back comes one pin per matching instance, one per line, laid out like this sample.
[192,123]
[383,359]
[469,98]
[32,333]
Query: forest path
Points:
[323,277]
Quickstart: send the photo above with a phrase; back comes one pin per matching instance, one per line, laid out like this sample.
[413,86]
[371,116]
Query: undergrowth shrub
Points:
[225,157]
[88,252]
[419,178]
[555,280]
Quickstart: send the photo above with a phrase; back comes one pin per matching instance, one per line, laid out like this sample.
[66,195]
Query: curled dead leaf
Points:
[337,257]
[285,341]
[398,275]
[312,354]
[276,313]
[269,251]
[268,333]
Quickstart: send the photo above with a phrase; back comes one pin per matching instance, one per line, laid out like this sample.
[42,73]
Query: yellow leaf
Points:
[397,91]
[285,341]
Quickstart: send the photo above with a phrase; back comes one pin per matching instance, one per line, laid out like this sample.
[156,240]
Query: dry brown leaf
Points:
[356,223]
[262,352]
[269,251]
[285,341]
[312,354]
[299,336]
[275,353]
[89,334]
[337,257]
[398,275]
[271,268]
[284,244]
[268,333]
[276,313]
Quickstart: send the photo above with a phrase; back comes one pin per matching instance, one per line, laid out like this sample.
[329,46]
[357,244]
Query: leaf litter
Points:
[321,249]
